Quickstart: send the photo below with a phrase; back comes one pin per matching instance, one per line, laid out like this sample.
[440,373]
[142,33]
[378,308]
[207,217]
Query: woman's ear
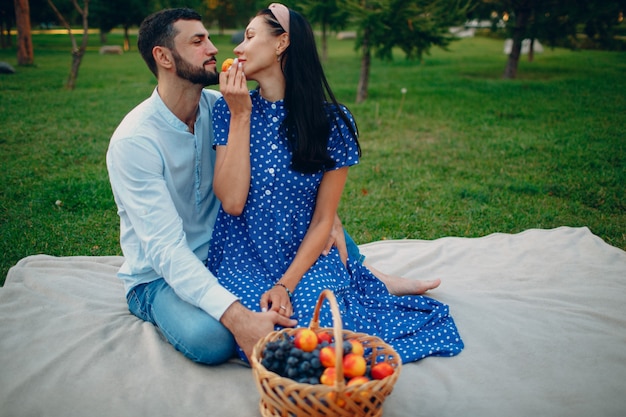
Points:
[283,43]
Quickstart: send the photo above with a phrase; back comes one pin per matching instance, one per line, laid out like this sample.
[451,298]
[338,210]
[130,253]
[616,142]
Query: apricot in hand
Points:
[227,64]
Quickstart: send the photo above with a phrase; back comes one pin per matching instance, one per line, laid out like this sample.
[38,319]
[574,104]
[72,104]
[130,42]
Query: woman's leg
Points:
[395,285]
[192,331]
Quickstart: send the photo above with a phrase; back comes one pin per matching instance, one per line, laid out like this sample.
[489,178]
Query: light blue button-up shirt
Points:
[162,180]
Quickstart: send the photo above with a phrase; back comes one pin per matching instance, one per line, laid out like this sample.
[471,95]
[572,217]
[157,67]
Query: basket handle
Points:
[337,332]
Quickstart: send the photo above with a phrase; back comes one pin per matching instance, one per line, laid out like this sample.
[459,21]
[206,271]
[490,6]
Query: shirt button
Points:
[274,119]
[268,192]
[271,171]
[273,105]
[274,147]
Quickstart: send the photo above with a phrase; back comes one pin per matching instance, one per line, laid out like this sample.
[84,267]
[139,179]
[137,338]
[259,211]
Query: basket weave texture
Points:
[284,397]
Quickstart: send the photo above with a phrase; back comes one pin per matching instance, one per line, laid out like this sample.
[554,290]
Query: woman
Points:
[280,176]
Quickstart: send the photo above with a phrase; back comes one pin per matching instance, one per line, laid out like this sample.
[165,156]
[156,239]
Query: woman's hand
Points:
[234,88]
[231,181]
[277,299]
[338,239]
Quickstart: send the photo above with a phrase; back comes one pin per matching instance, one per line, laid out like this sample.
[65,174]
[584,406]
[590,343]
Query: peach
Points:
[327,356]
[358,380]
[357,347]
[305,339]
[354,365]
[381,370]
[328,376]
[226,64]
[324,337]
[333,398]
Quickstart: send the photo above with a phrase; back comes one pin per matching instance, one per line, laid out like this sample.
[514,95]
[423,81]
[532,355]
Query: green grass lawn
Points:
[466,153]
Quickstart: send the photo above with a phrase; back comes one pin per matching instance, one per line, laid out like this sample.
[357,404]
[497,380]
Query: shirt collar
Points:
[167,114]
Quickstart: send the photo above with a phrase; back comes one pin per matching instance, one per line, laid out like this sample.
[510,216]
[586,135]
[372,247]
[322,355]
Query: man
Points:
[160,162]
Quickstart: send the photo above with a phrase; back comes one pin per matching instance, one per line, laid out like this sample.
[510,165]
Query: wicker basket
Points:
[284,397]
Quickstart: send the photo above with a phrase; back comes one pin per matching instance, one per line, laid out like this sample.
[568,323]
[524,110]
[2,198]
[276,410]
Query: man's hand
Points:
[338,239]
[249,327]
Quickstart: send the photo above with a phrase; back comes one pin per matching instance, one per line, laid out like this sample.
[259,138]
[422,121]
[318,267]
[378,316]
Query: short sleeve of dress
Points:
[221,121]
[342,144]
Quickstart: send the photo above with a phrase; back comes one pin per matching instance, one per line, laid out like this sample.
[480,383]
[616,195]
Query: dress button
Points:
[268,192]
[274,147]
[273,105]
[271,171]
[274,119]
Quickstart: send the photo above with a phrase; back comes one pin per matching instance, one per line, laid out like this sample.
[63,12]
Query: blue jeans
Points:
[189,329]
[192,331]
[353,249]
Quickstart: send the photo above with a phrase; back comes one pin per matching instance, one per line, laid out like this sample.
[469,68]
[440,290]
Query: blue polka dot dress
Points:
[250,252]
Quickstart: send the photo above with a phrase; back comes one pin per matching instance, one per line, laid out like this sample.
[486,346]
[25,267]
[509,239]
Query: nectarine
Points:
[354,365]
[226,64]
[327,356]
[306,339]
[381,370]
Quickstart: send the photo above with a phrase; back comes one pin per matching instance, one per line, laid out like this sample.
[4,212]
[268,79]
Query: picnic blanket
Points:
[542,314]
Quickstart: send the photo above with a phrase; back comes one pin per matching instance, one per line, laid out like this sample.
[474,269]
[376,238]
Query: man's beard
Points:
[196,75]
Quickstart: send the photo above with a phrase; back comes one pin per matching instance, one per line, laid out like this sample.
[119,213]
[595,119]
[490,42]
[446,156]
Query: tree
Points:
[328,15]
[554,22]
[413,26]
[25,54]
[108,14]
[229,13]
[7,20]
[77,52]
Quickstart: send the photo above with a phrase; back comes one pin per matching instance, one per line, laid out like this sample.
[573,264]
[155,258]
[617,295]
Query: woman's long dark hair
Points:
[308,97]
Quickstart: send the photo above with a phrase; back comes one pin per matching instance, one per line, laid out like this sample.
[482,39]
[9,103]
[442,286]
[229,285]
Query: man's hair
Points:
[158,30]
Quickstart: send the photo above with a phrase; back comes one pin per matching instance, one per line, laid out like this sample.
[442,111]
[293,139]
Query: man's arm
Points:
[249,327]
[152,235]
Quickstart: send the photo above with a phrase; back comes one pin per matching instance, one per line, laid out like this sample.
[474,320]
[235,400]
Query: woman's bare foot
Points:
[403,286]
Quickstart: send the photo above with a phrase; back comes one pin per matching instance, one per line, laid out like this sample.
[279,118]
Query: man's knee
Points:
[209,344]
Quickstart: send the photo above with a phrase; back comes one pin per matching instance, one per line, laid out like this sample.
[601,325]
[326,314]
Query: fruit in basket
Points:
[357,380]
[357,347]
[305,339]
[354,365]
[334,398]
[327,356]
[324,337]
[282,357]
[381,370]
[328,376]
[226,64]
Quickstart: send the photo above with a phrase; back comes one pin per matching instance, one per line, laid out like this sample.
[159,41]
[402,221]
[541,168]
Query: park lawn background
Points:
[461,153]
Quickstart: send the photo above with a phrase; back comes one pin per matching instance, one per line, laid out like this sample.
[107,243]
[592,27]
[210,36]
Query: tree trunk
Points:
[4,42]
[364,77]
[126,39]
[531,50]
[522,15]
[25,55]
[77,52]
[77,57]
[324,41]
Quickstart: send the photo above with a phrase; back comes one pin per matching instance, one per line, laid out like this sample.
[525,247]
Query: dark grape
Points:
[282,357]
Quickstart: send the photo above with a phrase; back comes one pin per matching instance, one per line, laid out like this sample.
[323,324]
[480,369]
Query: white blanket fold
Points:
[542,314]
